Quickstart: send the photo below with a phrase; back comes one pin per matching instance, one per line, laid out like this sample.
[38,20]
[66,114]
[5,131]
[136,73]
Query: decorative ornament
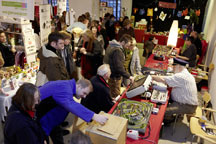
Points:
[185,12]
[142,11]
[135,10]
[162,16]
[179,14]
[156,9]
[198,12]
[150,12]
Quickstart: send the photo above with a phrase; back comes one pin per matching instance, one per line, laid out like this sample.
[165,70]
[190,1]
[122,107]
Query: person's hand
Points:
[100,118]
[139,73]
[171,56]
[131,79]
[83,51]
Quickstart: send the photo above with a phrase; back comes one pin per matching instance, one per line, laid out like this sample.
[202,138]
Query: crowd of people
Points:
[107,55]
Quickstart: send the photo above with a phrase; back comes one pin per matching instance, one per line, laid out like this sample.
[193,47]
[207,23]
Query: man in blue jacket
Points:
[57,101]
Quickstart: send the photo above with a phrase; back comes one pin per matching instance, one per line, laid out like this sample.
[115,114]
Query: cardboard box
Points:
[113,132]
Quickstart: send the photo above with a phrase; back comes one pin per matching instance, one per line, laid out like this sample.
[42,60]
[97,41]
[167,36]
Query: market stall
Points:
[152,132]
[11,79]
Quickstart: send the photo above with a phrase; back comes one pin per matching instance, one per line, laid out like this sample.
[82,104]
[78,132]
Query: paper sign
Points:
[61,7]
[17,9]
[162,16]
[187,17]
[45,23]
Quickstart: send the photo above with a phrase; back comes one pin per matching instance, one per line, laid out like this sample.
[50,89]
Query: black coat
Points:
[191,53]
[8,56]
[20,128]
[99,99]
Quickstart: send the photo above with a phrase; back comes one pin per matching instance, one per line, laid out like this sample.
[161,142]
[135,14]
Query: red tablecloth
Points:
[155,122]
[141,37]
[155,64]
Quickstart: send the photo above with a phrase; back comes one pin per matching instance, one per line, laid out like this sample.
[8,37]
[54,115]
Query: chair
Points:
[206,98]
[201,112]
[196,130]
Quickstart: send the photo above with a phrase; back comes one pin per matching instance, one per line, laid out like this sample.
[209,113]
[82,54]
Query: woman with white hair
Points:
[99,99]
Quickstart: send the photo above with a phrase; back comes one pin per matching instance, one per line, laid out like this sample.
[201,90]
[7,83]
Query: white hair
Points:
[103,69]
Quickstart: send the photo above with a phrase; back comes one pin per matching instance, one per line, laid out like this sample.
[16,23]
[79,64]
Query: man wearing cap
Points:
[184,90]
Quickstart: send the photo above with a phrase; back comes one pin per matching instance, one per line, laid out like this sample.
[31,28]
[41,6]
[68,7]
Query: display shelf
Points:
[20,33]
[13,33]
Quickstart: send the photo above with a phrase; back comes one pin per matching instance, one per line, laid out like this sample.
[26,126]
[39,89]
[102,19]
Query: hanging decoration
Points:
[167,5]
[179,14]
[156,9]
[193,17]
[142,11]
[135,10]
[185,12]
[162,16]
[198,12]
[187,17]
[150,12]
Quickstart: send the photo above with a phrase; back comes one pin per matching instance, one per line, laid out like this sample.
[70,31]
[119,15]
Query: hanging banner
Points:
[17,9]
[150,12]
[162,16]
[61,6]
[167,5]
[45,23]
[142,11]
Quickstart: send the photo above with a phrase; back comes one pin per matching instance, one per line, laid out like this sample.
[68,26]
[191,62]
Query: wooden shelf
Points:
[13,33]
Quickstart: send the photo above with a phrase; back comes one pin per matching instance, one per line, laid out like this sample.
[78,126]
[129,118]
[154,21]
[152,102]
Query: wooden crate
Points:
[113,132]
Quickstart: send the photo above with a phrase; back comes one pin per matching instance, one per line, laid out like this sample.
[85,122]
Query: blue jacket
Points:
[56,101]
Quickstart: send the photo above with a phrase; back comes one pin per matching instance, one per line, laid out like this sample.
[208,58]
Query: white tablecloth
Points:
[5,101]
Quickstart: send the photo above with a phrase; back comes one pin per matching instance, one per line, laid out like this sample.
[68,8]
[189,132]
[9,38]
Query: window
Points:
[116,7]
[54,3]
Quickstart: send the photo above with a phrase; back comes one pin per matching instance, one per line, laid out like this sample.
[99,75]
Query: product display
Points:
[139,86]
[137,113]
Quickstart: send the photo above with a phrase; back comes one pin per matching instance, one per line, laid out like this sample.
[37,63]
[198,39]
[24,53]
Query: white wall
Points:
[210,33]
[81,6]
[128,5]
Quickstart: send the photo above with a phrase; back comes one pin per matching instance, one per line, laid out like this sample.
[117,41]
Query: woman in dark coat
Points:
[7,51]
[91,57]
[21,126]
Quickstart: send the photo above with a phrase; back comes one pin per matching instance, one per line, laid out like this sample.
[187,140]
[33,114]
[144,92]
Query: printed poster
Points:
[17,9]
[61,6]
[45,23]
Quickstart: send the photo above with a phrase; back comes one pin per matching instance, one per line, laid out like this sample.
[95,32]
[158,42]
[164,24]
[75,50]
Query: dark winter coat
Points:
[115,57]
[123,31]
[21,128]
[7,54]
[52,65]
[99,99]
